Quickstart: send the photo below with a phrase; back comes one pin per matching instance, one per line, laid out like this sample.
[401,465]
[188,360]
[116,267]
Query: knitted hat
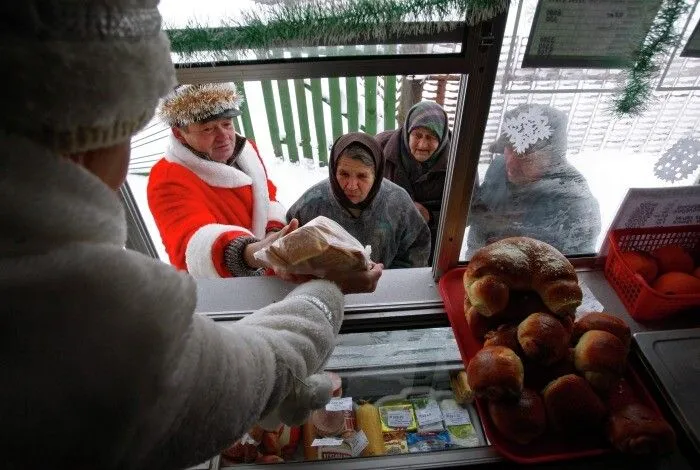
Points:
[81,74]
[188,104]
[533,128]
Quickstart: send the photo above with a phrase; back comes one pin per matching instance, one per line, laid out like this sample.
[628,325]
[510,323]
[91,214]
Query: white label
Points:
[358,442]
[398,418]
[456,417]
[246,439]
[429,415]
[326,442]
[340,404]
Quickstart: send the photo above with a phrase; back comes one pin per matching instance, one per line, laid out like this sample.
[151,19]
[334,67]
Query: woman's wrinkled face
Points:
[524,168]
[216,139]
[422,143]
[355,178]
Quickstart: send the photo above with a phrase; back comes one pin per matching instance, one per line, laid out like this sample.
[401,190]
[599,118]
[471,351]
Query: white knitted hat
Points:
[188,104]
[82,74]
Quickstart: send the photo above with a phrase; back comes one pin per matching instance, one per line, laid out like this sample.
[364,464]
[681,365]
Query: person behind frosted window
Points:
[374,210]
[530,189]
[103,363]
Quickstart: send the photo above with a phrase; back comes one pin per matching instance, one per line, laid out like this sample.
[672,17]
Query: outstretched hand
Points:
[251,248]
[350,282]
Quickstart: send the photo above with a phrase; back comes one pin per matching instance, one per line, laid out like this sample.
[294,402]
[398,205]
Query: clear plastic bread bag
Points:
[319,247]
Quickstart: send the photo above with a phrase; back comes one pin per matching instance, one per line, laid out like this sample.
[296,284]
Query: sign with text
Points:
[657,207]
[588,33]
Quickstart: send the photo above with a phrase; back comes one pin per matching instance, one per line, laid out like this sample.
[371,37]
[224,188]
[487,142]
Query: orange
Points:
[641,263]
[673,258]
[677,283]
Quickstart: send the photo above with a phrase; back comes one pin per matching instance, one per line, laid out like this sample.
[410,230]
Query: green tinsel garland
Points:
[320,22]
[661,38]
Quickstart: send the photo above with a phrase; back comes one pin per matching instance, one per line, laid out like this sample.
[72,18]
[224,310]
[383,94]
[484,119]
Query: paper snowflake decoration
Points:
[527,129]
[680,161]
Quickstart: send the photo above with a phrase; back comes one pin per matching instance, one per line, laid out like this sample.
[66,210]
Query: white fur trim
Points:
[252,165]
[277,212]
[213,173]
[225,176]
[198,253]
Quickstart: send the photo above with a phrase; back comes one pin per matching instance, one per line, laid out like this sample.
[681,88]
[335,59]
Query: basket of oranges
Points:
[655,271]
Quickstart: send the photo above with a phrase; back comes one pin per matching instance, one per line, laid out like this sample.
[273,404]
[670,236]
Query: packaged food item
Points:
[428,415]
[368,421]
[427,442]
[398,416]
[326,434]
[458,424]
[395,442]
[320,246]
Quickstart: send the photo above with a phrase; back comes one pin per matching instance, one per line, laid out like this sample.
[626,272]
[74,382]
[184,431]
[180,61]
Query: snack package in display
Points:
[320,246]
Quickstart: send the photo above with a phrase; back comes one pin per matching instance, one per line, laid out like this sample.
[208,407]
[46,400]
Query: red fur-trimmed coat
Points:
[200,206]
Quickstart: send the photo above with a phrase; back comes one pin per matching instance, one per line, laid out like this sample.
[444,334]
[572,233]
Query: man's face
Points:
[215,138]
[524,168]
[355,178]
[422,143]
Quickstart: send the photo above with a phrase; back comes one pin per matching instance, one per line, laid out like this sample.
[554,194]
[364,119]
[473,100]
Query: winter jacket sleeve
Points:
[220,381]
[193,238]
[414,245]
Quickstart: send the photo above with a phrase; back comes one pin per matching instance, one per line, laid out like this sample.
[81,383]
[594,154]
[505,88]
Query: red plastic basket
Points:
[547,448]
[642,302]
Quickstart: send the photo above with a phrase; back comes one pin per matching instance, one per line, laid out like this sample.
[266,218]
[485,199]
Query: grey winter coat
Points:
[391,225]
[558,209]
[102,362]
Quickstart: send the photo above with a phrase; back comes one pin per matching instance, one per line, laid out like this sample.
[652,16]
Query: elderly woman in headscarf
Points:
[416,159]
[530,189]
[372,209]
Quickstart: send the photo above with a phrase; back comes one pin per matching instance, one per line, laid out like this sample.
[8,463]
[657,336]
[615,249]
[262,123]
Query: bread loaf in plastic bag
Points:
[320,246]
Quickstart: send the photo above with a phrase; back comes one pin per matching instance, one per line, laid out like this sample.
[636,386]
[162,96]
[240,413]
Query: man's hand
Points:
[251,248]
[423,211]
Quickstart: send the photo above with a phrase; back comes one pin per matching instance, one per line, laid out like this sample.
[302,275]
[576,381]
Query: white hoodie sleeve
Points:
[224,380]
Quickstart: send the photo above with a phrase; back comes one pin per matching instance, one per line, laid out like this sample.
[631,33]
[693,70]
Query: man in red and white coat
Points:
[210,195]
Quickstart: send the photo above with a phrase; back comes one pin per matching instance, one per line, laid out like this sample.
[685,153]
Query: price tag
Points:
[429,415]
[326,442]
[399,418]
[340,404]
[358,442]
[456,417]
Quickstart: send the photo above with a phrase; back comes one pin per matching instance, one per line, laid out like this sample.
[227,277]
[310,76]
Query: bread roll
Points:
[520,421]
[637,429]
[496,372]
[601,358]
[604,322]
[505,335]
[572,405]
[521,263]
[544,338]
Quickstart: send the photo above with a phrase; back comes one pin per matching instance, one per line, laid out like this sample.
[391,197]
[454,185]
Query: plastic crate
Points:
[642,302]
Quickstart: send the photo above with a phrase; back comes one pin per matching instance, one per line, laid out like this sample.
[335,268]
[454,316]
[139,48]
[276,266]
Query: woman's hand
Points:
[269,239]
[423,211]
[357,282]
[350,282]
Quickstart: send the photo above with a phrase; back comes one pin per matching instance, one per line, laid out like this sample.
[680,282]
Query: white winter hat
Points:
[82,74]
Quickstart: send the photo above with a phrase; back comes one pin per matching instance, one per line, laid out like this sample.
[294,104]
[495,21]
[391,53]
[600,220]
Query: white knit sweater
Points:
[102,362]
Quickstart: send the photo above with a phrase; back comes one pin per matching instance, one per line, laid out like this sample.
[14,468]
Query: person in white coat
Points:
[102,362]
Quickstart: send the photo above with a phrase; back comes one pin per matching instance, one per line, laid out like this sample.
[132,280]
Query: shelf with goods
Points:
[393,396]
